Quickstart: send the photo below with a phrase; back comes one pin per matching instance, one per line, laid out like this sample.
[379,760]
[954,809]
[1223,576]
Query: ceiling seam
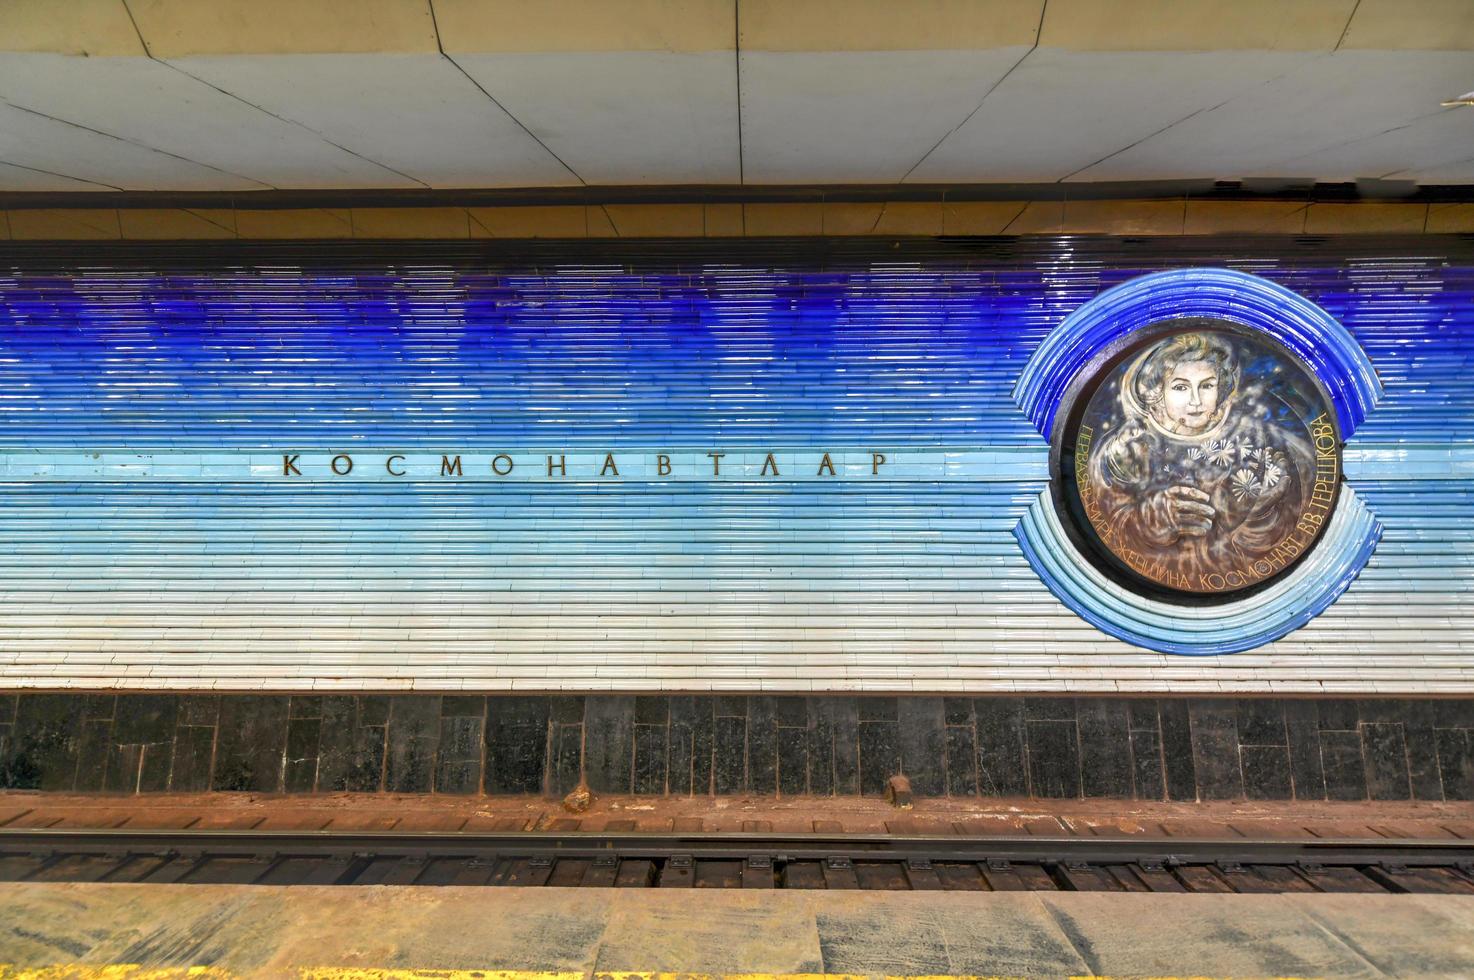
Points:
[1347,29]
[1196,112]
[1369,136]
[147,50]
[440,46]
[123,139]
[737,65]
[1038,33]
[53,173]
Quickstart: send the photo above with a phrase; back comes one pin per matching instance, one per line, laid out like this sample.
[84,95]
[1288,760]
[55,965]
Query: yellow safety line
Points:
[135,971]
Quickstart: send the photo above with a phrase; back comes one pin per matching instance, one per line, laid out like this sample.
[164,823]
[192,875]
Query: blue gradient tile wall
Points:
[209,576]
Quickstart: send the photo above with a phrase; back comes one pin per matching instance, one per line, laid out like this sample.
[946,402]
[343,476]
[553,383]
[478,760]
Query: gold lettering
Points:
[716,463]
[289,465]
[345,458]
[877,460]
[562,466]
[449,467]
[770,461]
[662,465]
[389,466]
[825,464]
[609,466]
[501,457]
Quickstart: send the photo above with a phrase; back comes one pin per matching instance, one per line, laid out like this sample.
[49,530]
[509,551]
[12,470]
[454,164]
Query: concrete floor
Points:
[336,932]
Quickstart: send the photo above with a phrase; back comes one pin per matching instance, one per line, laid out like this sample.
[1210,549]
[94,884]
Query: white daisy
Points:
[1221,454]
[1244,485]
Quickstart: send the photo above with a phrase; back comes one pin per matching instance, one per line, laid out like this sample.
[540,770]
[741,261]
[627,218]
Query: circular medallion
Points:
[1199,460]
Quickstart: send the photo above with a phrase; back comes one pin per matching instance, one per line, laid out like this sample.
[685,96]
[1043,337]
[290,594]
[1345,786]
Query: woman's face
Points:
[1190,396]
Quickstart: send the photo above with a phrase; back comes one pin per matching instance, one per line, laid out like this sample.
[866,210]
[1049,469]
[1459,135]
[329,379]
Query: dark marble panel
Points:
[92,754]
[1340,754]
[961,760]
[305,706]
[880,754]
[1337,714]
[729,764]
[458,758]
[875,708]
[681,745]
[467,706]
[1105,748]
[1453,713]
[1302,724]
[351,753]
[201,710]
[7,708]
[652,710]
[1177,749]
[791,712]
[1049,709]
[690,745]
[566,709]
[44,742]
[1146,764]
[652,757]
[793,761]
[1388,710]
[609,742]
[373,710]
[413,736]
[1266,771]
[762,745]
[252,743]
[957,711]
[821,746]
[1142,715]
[158,762]
[922,740]
[844,714]
[194,750]
[1002,762]
[336,742]
[123,765]
[1261,721]
[1054,759]
[1422,762]
[1385,755]
[1216,749]
[99,707]
[1456,763]
[302,747]
[730,706]
[516,735]
[567,762]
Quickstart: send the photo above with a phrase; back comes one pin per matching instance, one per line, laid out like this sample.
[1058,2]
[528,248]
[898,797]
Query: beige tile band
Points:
[1106,217]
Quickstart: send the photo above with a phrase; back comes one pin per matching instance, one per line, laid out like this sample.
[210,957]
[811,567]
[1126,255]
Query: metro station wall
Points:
[168,561]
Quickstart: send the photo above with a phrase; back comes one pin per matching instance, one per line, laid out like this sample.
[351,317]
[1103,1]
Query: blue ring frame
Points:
[1347,543]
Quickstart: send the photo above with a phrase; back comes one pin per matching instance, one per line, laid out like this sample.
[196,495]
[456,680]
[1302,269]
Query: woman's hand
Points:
[1181,512]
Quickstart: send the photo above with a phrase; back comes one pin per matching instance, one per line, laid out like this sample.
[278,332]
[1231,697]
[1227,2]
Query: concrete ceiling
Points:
[242,95]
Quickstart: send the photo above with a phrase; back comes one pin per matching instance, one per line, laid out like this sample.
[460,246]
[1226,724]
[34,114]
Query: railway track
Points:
[764,861]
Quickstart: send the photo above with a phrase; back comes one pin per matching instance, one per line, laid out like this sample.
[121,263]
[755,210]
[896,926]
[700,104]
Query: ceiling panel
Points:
[856,116]
[16,178]
[1274,129]
[34,141]
[624,117]
[155,105]
[1061,111]
[416,114]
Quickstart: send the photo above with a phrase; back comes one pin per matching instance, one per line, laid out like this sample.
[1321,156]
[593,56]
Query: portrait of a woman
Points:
[1196,466]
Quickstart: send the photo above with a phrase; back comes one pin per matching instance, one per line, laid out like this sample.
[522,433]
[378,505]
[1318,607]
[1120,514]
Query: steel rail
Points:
[741,846]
